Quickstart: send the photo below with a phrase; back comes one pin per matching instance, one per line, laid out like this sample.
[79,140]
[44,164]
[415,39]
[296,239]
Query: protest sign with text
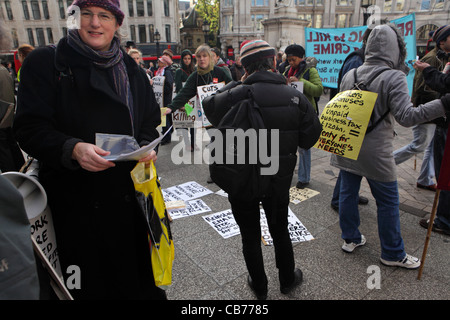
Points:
[344,122]
[202,93]
[330,46]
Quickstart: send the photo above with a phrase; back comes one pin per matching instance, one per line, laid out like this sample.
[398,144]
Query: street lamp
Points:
[205,28]
[157,39]
[365,4]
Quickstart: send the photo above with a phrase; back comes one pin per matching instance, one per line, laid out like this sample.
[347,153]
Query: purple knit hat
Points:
[111,5]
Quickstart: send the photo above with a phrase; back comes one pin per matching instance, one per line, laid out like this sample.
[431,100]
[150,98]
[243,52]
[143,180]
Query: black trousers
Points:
[247,216]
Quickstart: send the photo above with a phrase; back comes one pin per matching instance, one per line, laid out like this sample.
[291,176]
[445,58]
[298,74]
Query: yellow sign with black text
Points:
[344,122]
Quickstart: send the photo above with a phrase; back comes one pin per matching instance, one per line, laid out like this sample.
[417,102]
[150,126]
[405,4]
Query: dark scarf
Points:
[297,71]
[111,60]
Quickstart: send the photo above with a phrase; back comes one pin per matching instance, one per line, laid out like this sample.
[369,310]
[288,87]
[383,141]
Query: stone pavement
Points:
[209,267]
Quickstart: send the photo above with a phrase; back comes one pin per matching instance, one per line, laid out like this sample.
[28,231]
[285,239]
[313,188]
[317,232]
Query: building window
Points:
[142,33]
[64,30]
[228,23]
[15,38]
[150,8]
[399,5]
[36,11]
[318,21]
[26,13]
[341,20]
[439,4]
[133,33]
[168,36]
[30,36]
[425,5]
[40,37]
[130,8]
[140,12]
[423,33]
[387,6]
[166,8]
[62,11]
[50,35]
[260,3]
[45,9]
[8,10]
[228,3]
[256,21]
[151,32]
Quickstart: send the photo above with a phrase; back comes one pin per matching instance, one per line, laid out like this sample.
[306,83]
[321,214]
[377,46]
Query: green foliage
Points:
[209,11]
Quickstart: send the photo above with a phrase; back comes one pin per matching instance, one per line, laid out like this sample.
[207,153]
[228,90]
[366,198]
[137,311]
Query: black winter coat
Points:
[98,224]
[282,108]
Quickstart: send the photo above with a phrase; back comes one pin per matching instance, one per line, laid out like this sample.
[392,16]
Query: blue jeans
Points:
[388,215]
[422,142]
[304,165]
[443,210]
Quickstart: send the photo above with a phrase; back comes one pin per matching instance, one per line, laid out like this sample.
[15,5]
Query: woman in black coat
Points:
[89,85]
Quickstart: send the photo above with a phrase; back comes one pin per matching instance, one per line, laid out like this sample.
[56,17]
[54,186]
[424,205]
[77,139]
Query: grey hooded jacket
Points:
[375,160]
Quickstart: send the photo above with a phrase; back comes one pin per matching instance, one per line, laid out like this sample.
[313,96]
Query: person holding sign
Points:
[300,70]
[181,75]
[385,50]
[206,73]
[289,113]
[164,63]
[86,85]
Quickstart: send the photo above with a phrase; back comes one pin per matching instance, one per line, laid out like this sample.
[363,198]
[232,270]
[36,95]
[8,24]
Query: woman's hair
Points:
[204,48]
[188,68]
[131,51]
[25,49]
[261,65]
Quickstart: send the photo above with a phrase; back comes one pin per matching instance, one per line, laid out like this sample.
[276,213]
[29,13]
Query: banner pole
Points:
[430,227]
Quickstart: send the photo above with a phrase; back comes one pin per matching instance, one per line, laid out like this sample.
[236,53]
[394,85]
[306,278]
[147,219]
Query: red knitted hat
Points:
[111,5]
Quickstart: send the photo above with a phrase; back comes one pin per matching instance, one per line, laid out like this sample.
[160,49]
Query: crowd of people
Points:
[88,84]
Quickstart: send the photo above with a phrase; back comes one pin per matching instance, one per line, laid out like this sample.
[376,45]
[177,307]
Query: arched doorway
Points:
[423,39]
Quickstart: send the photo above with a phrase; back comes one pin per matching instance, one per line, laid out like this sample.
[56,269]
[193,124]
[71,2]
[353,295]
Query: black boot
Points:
[261,294]
[298,278]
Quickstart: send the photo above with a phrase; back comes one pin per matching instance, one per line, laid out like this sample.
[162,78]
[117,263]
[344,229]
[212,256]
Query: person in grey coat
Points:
[385,49]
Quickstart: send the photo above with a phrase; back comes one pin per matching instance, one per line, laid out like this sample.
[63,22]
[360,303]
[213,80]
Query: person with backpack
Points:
[352,61]
[301,69]
[288,112]
[88,84]
[385,64]
[206,73]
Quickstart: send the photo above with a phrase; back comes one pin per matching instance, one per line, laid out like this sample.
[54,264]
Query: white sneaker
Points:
[349,247]
[408,262]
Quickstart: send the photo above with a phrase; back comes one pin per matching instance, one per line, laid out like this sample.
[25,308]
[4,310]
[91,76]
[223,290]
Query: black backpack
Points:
[241,178]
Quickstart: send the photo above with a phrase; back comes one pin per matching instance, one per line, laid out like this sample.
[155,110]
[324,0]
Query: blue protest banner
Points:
[330,46]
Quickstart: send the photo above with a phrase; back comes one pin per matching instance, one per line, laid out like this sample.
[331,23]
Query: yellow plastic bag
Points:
[149,195]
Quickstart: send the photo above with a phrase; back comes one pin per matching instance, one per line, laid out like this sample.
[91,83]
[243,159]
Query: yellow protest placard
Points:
[344,122]
[163,117]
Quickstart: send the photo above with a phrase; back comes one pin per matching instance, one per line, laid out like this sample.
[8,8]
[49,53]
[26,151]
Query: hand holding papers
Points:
[125,148]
